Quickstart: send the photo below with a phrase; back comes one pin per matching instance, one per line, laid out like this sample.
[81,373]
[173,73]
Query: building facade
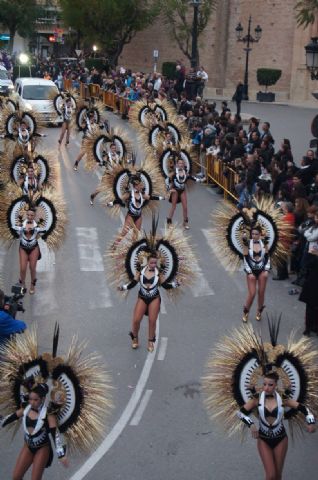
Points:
[281,46]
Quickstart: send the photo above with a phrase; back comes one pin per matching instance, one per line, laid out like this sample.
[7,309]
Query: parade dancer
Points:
[246,376]
[177,188]
[67,113]
[254,236]
[133,188]
[61,398]
[89,126]
[112,159]
[135,200]
[256,266]
[152,261]
[40,427]
[27,219]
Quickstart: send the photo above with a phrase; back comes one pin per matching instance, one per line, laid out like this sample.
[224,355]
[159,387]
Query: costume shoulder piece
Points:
[230,226]
[236,367]
[176,259]
[79,387]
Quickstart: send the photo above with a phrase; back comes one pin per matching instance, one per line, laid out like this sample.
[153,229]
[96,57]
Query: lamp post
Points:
[312,58]
[312,65]
[95,48]
[248,39]
[194,51]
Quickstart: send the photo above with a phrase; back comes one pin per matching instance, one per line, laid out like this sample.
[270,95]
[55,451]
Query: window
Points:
[39,92]
[4,75]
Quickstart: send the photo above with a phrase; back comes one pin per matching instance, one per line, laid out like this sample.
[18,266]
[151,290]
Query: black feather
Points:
[273,327]
[55,339]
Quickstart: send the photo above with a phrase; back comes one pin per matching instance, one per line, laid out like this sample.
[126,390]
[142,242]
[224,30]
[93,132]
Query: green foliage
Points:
[169,70]
[19,16]
[178,15]
[306,12]
[268,76]
[98,63]
[110,24]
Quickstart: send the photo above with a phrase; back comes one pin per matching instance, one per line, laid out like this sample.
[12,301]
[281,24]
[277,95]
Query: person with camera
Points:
[8,324]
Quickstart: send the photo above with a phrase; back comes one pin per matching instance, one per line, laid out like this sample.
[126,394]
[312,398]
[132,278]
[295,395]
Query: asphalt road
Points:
[159,428]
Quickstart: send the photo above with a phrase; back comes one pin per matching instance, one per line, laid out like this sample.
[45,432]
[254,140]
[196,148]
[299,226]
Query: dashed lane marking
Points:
[163,348]
[142,407]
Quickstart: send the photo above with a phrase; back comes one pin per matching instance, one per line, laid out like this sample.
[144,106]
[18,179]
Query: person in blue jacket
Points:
[8,325]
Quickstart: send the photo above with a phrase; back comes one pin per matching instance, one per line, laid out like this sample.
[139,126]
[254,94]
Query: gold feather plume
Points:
[218,381]
[89,429]
[219,233]
[116,253]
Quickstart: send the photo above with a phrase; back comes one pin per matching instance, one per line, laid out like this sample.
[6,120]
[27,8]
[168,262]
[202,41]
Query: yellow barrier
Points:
[67,83]
[218,173]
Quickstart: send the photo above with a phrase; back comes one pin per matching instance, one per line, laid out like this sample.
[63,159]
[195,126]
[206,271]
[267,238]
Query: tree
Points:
[306,12]
[110,24]
[19,17]
[179,17]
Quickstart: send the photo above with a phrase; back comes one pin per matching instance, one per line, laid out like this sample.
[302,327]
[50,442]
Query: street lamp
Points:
[312,65]
[312,58]
[248,39]
[194,51]
[95,48]
[23,60]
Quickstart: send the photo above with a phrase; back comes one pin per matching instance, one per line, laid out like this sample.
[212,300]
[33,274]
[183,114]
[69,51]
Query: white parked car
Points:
[6,85]
[34,94]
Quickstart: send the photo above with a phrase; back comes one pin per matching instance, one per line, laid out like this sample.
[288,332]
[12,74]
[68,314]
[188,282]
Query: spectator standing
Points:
[289,219]
[238,97]
[203,78]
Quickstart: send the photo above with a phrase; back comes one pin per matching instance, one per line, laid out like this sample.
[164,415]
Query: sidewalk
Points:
[311,104]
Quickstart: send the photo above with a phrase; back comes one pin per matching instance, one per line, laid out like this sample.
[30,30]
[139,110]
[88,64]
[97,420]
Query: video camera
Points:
[13,304]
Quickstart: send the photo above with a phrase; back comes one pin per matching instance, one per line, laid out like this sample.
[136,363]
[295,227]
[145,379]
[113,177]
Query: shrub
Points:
[23,71]
[98,63]
[169,70]
[268,76]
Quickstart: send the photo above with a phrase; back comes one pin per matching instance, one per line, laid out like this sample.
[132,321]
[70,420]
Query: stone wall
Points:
[281,46]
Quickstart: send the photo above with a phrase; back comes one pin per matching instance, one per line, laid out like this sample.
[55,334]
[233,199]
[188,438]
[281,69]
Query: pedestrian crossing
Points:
[90,262]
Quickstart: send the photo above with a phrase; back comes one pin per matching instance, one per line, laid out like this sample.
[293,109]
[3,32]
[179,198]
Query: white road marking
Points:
[123,420]
[201,288]
[233,275]
[102,295]
[142,407]
[163,309]
[90,258]
[3,253]
[163,348]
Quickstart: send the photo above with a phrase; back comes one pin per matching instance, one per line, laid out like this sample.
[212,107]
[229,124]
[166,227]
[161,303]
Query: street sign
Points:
[78,52]
[155,53]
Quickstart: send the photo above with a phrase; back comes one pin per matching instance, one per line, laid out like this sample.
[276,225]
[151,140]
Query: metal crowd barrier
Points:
[216,171]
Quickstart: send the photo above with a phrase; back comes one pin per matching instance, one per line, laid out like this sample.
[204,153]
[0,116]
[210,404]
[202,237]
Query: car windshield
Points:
[3,75]
[38,92]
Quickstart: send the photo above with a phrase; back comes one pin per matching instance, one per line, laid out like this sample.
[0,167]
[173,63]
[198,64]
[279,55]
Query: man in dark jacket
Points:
[238,97]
